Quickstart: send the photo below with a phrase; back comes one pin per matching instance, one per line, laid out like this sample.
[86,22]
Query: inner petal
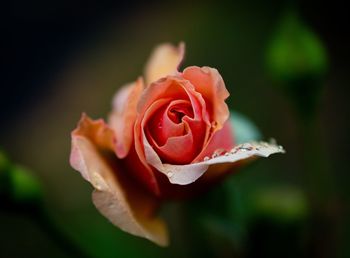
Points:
[178,110]
[178,150]
[176,127]
[168,121]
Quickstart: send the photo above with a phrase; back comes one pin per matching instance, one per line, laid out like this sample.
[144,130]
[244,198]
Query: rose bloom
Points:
[168,136]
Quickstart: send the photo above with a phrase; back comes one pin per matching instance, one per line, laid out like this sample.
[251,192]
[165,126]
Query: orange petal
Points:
[164,61]
[124,114]
[210,84]
[116,196]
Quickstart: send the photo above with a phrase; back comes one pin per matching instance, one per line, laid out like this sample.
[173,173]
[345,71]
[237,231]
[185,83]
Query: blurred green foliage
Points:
[3,161]
[297,61]
[295,51]
[17,184]
[281,204]
[25,187]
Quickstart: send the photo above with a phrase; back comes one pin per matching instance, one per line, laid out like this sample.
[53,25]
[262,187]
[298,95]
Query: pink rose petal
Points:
[208,82]
[124,114]
[221,139]
[187,174]
[159,94]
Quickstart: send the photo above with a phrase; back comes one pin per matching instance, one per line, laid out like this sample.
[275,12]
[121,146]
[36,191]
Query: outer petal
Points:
[210,84]
[221,139]
[187,174]
[124,114]
[164,61]
[118,198]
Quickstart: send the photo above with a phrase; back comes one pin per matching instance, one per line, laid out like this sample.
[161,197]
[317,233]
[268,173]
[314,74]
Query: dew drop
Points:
[233,150]
[273,141]
[218,153]
[96,179]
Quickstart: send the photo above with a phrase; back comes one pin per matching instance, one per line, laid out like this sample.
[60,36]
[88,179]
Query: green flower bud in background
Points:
[18,186]
[296,61]
[295,51]
[25,187]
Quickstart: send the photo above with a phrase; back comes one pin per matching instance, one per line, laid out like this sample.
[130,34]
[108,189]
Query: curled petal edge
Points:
[187,174]
[115,196]
[208,82]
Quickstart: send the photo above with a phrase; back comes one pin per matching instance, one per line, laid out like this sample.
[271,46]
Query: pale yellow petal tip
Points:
[161,237]
[164,60]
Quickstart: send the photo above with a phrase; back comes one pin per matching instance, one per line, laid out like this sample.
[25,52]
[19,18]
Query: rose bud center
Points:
[175,133]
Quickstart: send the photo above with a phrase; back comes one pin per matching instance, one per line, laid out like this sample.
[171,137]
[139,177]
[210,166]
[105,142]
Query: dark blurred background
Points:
[61,58]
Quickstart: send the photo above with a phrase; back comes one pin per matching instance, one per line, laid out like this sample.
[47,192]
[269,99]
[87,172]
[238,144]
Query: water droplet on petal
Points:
[273,141]
[233,150]
[97,181]
[218,153]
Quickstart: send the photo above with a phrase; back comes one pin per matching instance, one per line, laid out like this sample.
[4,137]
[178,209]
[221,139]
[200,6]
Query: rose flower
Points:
[168,136]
